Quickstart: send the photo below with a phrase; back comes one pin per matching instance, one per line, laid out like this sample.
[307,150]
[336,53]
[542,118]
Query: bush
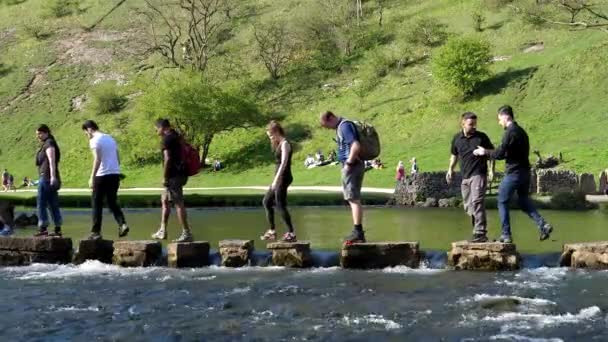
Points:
[570,201]
[427,31]
[478,19]
[62,8]
[496,5]
[107,99]
[462,64]
[36,28]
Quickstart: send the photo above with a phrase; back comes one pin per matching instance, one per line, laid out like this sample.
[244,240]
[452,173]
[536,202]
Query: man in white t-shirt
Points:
[105,178]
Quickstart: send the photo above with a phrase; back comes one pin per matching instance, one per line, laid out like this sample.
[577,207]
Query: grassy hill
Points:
[48,65]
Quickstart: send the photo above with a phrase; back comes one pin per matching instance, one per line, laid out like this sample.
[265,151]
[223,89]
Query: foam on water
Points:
[73,308]
[531,301]
[88,268]
[371,319]
[521,338]
[407,270]
[532,320]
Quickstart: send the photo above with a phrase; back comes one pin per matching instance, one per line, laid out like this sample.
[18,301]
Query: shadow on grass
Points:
[502,80]
[5,69]
[259,153]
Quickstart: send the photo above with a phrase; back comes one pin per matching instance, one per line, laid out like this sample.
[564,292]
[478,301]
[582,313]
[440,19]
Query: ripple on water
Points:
[521,338]
[538,321]
[373,320]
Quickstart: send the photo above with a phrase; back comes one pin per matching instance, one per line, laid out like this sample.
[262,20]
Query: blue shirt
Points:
[347,135]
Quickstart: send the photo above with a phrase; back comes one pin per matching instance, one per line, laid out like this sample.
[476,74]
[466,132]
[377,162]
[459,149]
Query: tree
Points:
[201,110]
[187,32]
[576,14]
[275,46]
[462,64]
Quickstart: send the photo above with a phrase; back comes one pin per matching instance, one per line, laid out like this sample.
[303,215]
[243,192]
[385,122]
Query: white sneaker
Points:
[161,234]
[185,237]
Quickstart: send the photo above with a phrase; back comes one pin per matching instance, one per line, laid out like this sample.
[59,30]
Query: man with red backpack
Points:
[176,169]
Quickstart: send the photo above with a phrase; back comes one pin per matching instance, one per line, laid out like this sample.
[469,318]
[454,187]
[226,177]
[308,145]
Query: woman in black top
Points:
[277,193]
[47,160]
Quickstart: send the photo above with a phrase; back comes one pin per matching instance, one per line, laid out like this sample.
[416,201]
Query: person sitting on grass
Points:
[309,161]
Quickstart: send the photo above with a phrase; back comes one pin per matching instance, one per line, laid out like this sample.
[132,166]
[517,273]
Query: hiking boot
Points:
[185,237]
[6,231]
[545,232]
[270,234]
[289,237]
[356,236]
[42,233]
[505,239]
[123,230]
[161,234]
[479,238]
[94,236]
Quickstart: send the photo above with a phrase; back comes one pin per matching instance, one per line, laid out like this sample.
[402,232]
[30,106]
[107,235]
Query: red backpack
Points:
[191,159]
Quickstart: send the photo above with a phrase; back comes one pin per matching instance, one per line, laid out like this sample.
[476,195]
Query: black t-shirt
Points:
[515,149]
[463,147]
[172,143]
[42,161]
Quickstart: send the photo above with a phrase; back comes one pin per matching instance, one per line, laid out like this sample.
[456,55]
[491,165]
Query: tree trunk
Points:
[205,148]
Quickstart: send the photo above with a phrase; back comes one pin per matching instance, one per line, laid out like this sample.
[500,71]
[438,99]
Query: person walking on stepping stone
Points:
[276,196]
[515,150]
[105,178]
[353,169]
[174,179]
[475,173]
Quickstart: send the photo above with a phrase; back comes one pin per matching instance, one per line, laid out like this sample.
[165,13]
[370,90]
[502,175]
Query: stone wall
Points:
[603,181]
[7,213]
[554,181]
[420,187]
[587,184]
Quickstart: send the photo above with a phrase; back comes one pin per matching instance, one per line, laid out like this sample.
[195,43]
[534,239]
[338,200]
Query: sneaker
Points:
[185,237]
[479,238]
[41,233]
[161,234]
[6,231]
[270,234]
[123,230]
[356,236]
[505,239]
[545,232]
[94,236]
[56,233]
[289,237]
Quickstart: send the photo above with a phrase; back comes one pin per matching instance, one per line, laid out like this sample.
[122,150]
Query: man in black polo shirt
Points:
[474,171]
[515,149]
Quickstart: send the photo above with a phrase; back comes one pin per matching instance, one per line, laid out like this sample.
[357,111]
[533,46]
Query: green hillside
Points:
[47,64]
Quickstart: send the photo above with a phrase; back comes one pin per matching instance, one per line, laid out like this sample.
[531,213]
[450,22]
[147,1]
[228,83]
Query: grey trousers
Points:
[473,195]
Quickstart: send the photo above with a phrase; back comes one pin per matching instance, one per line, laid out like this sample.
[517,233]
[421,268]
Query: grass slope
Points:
[557,93]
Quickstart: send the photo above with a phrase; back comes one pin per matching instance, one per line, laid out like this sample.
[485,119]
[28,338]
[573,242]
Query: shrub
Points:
[570,201]
[107,99]
[496,5]
[62,8]
[478,19]
[462,64]
[427,31]
[36,28]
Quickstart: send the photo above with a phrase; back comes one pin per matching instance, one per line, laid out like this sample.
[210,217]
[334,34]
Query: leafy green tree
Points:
[462,64]
[201,110]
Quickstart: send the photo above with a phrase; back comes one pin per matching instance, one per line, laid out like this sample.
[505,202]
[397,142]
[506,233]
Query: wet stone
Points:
[236,253]
[16,251]
[591,255]
[380,255]
[188,254]
[137,253]
[100,250]
[487,256]
[290,254]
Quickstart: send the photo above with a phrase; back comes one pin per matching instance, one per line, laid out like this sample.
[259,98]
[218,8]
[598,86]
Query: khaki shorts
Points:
[174,191]
[352,181]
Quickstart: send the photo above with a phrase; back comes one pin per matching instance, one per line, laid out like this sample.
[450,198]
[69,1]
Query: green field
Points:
[558,93]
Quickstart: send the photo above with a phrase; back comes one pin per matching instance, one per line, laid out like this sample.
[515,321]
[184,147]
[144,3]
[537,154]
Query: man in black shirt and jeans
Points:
[474,169]
[515,149]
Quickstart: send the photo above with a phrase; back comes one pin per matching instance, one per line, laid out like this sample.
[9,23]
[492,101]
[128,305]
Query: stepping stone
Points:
[101,250]
[487,256]
[290,254]
[188,254]
[18,251]
[236,253]
[591,255]
[380,255]
[136,253]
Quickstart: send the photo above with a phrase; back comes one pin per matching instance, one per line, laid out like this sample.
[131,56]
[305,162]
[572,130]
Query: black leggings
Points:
[106,187]
[278,198]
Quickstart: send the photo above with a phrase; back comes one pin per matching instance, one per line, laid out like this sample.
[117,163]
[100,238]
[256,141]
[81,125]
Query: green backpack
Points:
[368,138]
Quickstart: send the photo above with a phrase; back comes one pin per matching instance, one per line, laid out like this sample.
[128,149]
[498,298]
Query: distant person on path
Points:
[105,178]
[353,169]
[400,172]
[277,193]
[47,160]
[515,149]
[11,183]
[475,173]
[174,179]
[414,169]
[5,176]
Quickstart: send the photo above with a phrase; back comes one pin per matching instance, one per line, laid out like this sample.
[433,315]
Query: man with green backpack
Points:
[357,142]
